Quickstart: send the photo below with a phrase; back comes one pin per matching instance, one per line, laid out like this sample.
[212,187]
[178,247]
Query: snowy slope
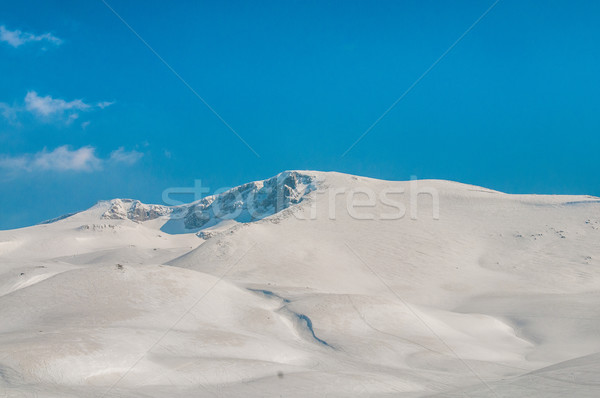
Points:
[279,288]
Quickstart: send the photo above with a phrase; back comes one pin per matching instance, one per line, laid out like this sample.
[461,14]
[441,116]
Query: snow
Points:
[274,289]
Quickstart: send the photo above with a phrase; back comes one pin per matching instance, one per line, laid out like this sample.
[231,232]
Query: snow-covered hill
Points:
[308,284]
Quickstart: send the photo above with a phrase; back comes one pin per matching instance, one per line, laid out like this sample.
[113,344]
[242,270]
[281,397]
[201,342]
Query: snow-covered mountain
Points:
[307,284]
[245,203]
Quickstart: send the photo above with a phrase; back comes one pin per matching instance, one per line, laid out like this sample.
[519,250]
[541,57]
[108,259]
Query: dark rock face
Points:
[141,212]
[252,201]
[246,203]
[123,209]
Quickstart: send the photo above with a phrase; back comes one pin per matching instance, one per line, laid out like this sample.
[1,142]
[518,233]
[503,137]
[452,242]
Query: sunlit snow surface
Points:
[499,297]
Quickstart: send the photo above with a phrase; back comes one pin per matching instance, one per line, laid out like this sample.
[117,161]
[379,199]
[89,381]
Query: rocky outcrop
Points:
[245,203]
[128,209]
[252,201]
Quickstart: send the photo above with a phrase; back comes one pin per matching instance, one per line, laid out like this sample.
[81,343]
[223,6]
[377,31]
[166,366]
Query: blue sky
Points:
[88,112]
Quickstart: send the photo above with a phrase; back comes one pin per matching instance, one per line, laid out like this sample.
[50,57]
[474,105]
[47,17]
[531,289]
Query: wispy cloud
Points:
[64,158]
[17,38]
[104,104]
[8,112]
[123,156]
[60,159]
[47,106]
[48,109]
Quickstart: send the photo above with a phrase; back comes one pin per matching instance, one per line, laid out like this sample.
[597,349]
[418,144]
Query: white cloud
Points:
[104,104]
[48,109]
[64,158]
[17,38]
[47,106]
[123,156]
[14,162]
[9,112]
[60,159]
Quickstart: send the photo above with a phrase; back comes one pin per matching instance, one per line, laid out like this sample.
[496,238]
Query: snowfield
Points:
[308,284]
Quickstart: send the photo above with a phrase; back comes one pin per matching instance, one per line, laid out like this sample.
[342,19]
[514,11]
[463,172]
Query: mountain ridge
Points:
[196,214]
